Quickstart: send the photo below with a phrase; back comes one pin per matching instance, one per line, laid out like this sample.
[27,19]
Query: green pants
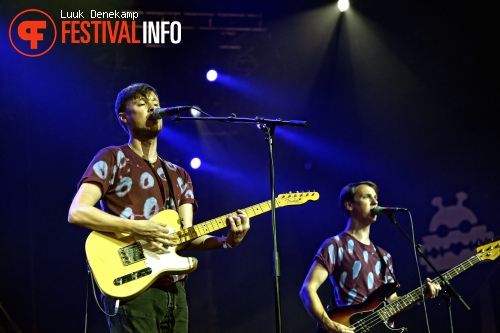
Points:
[156,310]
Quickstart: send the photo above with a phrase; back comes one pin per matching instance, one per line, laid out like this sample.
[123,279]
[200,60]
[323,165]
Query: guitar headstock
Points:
[297,198]
[489,251]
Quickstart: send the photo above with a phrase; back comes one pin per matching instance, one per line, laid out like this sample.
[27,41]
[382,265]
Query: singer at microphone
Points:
[159,113]
[377,210]
[357,268]
[130,182]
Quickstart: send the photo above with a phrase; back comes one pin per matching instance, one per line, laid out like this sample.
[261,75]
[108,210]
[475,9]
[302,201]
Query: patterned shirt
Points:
[135,189]
[355,269]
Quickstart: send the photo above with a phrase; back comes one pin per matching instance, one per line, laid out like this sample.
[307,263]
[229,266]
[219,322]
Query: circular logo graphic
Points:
[32,33]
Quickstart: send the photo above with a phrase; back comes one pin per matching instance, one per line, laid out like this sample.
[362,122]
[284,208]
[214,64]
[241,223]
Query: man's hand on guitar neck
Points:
[432,289]
[240,224]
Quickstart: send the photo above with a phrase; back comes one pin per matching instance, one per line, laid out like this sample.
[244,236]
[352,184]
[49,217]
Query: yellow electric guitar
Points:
[124,265]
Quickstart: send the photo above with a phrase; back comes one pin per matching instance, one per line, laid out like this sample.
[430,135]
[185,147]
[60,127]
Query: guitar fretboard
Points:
[414,296]
[188,234]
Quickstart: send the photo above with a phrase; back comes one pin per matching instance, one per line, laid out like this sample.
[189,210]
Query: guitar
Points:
[373,314]
[124,265]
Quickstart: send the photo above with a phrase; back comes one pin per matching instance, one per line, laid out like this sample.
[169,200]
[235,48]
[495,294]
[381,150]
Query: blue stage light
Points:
[212,75]
[195,163]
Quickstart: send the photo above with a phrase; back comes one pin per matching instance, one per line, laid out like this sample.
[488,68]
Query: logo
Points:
[32,33]
[453,234]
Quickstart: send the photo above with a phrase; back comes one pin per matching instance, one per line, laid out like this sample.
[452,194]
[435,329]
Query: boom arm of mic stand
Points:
[258,120]
[451,290]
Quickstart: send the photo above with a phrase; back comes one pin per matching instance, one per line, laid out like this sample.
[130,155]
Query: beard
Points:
[146,132]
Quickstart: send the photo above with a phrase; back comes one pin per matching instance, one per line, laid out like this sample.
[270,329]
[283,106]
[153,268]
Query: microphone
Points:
[159,113]
[377,210]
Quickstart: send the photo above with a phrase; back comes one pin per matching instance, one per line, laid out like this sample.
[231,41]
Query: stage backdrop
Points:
[394,92]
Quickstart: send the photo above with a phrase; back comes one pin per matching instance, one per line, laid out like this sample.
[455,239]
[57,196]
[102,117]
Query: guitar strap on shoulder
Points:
[171,194]
[384,263]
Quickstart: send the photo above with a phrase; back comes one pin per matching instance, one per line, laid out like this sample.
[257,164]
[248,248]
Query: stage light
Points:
[343,5]
[212,75]
[195,163]
[195,111]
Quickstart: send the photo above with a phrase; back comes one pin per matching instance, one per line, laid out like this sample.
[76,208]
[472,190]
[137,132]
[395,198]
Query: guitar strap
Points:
[384,263]
[171,194]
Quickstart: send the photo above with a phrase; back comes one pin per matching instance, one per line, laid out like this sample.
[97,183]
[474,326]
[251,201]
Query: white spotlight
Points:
[212,75]
[195,163]
[343,5]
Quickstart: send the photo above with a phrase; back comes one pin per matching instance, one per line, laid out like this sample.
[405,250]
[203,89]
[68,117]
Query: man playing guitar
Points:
[355,266]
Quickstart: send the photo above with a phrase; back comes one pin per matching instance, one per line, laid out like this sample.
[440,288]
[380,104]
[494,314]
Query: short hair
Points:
[133,91]
[347,194]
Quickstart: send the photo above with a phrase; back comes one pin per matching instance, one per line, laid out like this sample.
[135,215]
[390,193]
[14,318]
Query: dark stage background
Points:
[404,93]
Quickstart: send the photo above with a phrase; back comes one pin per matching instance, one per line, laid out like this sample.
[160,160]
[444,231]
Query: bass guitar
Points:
[124,265]
[374,314]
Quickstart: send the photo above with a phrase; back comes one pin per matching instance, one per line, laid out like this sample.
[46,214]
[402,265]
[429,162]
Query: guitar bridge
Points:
[131,253]
[132,276]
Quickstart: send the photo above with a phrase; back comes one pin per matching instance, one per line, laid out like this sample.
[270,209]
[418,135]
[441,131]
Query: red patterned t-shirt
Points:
[355,268]
[135,189]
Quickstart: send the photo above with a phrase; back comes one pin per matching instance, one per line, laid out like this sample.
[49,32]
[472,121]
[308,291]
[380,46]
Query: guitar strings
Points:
[374,318]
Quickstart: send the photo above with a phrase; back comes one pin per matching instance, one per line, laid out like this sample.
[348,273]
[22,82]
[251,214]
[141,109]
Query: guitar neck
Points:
[414,296]
[200,229]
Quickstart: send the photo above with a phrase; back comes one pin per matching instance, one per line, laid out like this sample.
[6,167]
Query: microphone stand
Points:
[268,126]
[450,291]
